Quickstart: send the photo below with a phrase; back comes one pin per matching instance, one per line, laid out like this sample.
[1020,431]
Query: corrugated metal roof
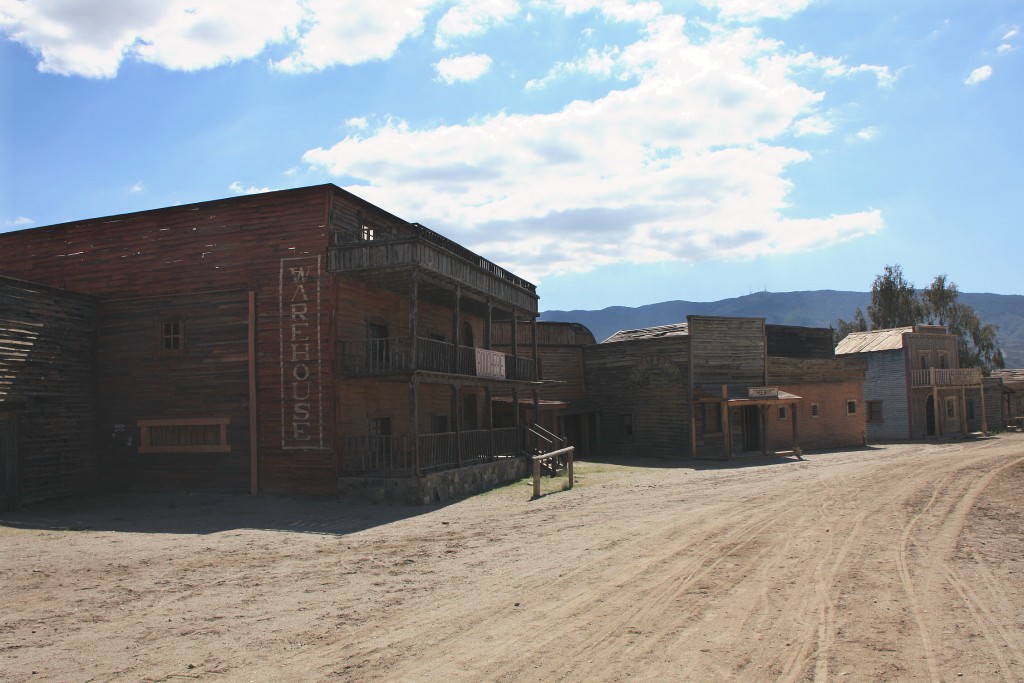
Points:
[876,340]
[673,330]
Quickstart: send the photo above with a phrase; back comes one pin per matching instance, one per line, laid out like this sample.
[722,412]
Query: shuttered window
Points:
[203,435]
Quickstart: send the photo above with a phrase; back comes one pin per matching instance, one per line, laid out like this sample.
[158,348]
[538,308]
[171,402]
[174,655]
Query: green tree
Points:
[976,341]
[844,327]
[894,301]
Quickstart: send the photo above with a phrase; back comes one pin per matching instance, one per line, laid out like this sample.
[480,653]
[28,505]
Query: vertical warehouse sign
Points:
[301,354]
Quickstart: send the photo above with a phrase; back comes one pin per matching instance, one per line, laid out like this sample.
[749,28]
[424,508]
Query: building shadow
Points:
[208,513]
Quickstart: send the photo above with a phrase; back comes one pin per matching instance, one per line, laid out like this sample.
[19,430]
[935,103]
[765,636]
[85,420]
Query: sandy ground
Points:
[889,563]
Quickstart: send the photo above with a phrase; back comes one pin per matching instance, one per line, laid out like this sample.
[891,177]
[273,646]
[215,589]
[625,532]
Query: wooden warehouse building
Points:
[290,341]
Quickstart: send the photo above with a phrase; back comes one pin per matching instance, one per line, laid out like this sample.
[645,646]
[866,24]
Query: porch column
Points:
[414,416]
[515,334]
[796,433]
[936,413]
[536,360]
[490,323]
[414,317]
[764,429]
[984,416]
[488,396]
[726,429]
[457,426]
[455,318]
[515,417]
[963,410]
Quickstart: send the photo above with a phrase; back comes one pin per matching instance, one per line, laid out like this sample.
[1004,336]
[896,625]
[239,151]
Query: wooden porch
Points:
[396,355]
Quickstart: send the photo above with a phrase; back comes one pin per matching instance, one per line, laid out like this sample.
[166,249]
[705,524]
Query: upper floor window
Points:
[851,407]
[925,361]
[369,233]
[943,360]
[172,336]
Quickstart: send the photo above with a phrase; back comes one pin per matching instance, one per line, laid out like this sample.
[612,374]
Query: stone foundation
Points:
[437,487]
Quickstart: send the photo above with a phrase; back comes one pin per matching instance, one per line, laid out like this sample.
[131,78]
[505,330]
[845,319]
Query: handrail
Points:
[553,455]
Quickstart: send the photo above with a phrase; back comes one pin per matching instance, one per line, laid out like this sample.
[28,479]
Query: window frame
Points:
[869,412]
[783,412]
[815,410]
[851,406]
[146,435]
[176,336]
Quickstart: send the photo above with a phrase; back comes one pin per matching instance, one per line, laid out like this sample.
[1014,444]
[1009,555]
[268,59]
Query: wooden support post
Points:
[535,375]
[796,433]
[536,478]
[457,426]
[488,332]
[764,430]
[963,411]
[414,416]
[727,430]
[414,317]
[984,415]
[936,412]
[515,335]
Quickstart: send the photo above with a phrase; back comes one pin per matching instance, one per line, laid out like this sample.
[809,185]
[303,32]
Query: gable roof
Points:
[658,332]
[877,340]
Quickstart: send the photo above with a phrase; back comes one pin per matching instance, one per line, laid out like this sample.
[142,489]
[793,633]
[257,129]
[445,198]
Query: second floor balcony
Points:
[393,355]
[945,377]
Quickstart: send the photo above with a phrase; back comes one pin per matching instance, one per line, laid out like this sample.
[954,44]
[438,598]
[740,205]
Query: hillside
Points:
[819,308]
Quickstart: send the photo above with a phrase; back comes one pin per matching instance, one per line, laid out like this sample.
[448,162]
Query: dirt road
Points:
[890,563]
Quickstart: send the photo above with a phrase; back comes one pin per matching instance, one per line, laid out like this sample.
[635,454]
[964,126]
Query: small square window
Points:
[851,407]
[782,412]
[814,410]
[172,337]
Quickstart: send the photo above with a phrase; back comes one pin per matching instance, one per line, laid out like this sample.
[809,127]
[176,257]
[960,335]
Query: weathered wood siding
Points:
[642,384]
[560,351]
[207,378]
[800,342]
[727,350]
[47,386]
[886,380]
[918,345]
[274,244]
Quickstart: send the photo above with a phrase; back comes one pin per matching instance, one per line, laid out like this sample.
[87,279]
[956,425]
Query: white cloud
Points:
[16,223]
[753,10]
[867,134]
[835,68]
[982,73]
[137,187]
[238,188]
[472,18]
[1012,33]
[595,63]
[812,125]
[352,31]
[83,38]
[463,68]
[681,164]
[1004,48]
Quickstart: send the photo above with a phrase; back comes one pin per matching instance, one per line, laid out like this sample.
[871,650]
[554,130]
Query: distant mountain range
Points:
[819,308]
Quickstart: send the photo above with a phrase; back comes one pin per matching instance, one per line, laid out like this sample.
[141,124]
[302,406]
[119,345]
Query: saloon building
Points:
[290,341]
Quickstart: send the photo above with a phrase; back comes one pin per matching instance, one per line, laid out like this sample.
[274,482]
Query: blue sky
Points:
[616,153]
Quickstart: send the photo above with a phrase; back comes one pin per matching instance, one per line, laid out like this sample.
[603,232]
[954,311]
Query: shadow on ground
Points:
[206,513]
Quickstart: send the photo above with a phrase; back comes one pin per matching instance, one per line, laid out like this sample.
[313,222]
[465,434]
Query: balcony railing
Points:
[364,357]
[429,251]
[395,456]
[943,377]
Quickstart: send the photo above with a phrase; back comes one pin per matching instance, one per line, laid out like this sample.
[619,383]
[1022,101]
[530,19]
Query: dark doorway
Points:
[8,464]
[929,413]
[751,429]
